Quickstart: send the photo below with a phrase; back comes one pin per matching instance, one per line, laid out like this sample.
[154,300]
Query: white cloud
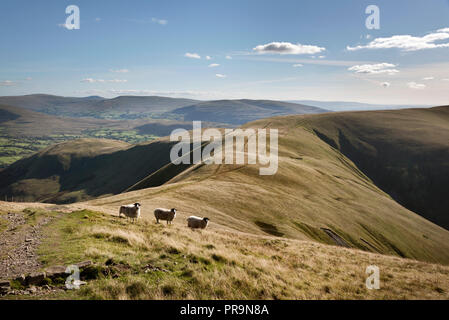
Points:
[378,68]
[28,78]
[219,75]
[192,55]
[119,70]
[428,78]
[208,58]
[229,57]
[213,65]
[414,85]
[7,83]
[162,22]
[385,84]
[97,19]
[408,42]
[90,80]
[287,48]
[321,57]
[298,65]
[445,79]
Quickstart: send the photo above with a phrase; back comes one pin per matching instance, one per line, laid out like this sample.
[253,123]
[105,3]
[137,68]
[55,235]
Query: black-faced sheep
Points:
[130,211]
[165,214]
[195,222]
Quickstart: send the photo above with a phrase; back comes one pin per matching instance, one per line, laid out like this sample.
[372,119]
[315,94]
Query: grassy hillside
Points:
[404,152]
[82,169]
[315,187]
[317,194]
[149,261]
[241,111]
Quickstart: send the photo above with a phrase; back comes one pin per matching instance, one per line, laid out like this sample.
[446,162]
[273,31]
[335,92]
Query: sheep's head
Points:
[206,219]
[137,205]
[173,210]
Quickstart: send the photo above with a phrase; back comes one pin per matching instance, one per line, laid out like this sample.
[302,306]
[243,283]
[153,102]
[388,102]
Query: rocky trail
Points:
[18,245]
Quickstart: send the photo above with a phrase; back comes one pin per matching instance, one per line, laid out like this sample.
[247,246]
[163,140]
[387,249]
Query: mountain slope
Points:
[317,194]
[241,111]
[405,152]
[82,169]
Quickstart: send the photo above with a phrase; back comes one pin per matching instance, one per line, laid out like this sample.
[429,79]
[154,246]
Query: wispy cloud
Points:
[8,83]
[228,57]
[214,65]
[90,80]
[297,65]
[417,86]
[119,70]
[408,42]
[162,22]
[208,57]
[219,75]
[324,62]
[379,68]
[287,48]
[192,55]
[385,84]
[428,78]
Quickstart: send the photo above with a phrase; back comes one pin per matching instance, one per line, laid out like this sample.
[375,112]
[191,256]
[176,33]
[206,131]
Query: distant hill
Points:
[241,111]
[17,121]
[123,107]
[354,106]
[405,153]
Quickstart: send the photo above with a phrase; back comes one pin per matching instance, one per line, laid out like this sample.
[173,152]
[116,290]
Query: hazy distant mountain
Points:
[354,106]
[242,111]
[123,107]
[231,112]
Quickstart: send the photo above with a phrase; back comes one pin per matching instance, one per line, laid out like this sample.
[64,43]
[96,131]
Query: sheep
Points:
[130,211]
[195,222]
[165,214]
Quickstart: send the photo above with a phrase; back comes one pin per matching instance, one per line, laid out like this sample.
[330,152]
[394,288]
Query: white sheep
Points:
[130,211]
[195,222]
[165,214]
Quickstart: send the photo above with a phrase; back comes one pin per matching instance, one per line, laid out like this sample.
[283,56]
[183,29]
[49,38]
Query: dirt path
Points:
[18,245]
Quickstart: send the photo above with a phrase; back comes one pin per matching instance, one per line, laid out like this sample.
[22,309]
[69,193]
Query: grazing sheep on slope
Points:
[130,211]
[197,222]
[164,214]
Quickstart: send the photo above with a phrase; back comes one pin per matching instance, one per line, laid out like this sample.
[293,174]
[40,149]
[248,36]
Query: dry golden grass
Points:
[221,264]
[315,187]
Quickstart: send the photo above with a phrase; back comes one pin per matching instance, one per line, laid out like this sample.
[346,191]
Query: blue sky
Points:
[317,50]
